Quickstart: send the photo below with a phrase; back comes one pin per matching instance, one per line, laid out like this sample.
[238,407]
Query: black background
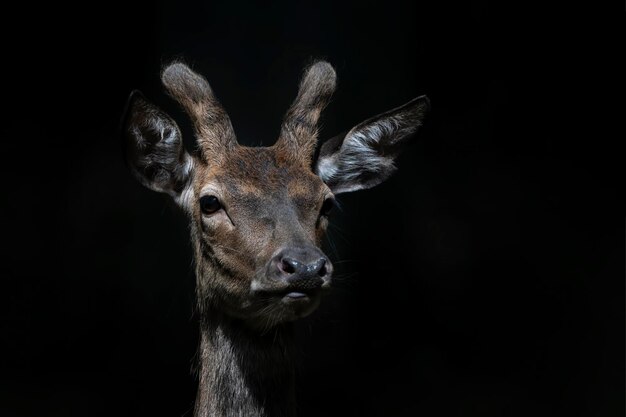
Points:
[479,281]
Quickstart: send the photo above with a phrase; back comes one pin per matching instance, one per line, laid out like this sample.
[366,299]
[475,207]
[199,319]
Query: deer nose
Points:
[294,268]
[302,268]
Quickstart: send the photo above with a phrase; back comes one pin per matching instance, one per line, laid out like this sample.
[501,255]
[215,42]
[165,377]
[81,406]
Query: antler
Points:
[298,136]
[213,128]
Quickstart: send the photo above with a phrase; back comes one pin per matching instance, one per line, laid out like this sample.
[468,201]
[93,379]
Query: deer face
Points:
[258,214]
[258,220]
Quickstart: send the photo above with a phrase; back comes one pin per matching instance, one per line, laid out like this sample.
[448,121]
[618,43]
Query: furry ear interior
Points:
[153,147]
[365,156]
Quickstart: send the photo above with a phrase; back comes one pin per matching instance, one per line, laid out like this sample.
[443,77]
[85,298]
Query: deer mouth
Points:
[296,295]
[291,294]
[291,290]
[300,295]
[282,303]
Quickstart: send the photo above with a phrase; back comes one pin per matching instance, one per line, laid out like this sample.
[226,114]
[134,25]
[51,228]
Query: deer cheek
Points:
[216,223]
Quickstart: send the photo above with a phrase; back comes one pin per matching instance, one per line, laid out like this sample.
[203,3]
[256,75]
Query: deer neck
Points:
[244,372]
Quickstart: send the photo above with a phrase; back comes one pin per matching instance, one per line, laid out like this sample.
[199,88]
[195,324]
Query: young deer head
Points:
[258,214]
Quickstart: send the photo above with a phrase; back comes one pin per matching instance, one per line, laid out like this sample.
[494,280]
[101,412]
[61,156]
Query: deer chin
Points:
[282,309]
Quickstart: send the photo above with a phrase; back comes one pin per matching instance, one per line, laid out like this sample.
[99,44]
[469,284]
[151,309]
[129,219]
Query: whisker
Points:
[343,261]
[337,231]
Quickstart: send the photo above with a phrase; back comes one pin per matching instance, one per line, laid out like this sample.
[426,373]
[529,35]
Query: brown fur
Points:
[271,202]
[211,122]
[298,136]
[261,246]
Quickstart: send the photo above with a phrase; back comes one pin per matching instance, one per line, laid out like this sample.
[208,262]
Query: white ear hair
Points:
[186,197]
[365,157]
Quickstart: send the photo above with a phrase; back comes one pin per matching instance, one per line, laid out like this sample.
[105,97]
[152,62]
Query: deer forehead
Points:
[261,174]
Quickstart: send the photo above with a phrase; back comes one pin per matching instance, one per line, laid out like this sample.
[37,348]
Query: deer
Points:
[257,217]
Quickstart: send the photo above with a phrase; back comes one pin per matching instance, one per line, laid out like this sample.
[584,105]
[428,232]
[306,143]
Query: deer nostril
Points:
[323,271]
[287,266]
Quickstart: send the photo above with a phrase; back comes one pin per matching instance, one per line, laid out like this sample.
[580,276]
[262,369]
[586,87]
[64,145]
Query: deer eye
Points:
[209,204]
[327,207]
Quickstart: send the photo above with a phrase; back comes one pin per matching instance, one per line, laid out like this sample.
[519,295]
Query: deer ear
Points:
[364,157]
[154,149]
